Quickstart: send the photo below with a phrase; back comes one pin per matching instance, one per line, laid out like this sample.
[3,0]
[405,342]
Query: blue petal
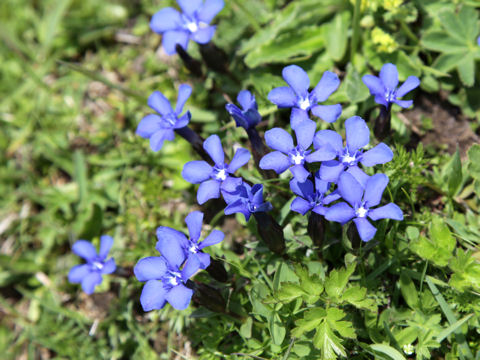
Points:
[279,139]
[350,189]
[357,133]
[238,206]
[183,120]
[300,205]
[283,97]
[172,235]
[90,281]
[380,154]
[298,116]
[237,114]
[109,266]
[325,154]
[374,188]
[196,171]
[158,102]
[246,99]
[203,36]
[192,265]
[298,79]
[299,172]
[149,125]
[215,237]
[231,184]
[331,170]
[171,247]
[335,195]
[321,186]
[171,38]
[403,103]
[365,229]
[327,85]
[179,297]
[150,268]
[203,258]
[389,211]
[213,147]
[359,175]
[153,296]
[85,250]
[207,190]
[241,157]
[374,85]
[165,19]
[184,92]
[320,209]
[189,6]
[209,10]
[106,243]
[77,273]
[380,99]
[305,132]
[328,113]
[157,139]
[340,212]
[389,76]
[328,137]
[302,188]
[257,194]
[194,222]
[275,161]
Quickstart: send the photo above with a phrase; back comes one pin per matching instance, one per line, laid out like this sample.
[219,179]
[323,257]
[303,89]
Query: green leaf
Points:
[452,25]
[356,296]
[466,69]
[355,88]
[474,161]
[80,175]
[387,350]
[448,62]
[276,328]
[288,292]
[246,328]
[439,41]
[454,171]
[337,281]
[453,328]
[468,20]
[336,34]
[409,292]
[326,341]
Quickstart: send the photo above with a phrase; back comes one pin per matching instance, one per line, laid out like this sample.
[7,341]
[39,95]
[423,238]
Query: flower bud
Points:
[270,232]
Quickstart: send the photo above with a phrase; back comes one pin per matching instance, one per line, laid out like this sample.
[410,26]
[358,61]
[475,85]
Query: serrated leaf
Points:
[326,341]
[468,20]
[441,42]
[448,62]
[344,328]
[311,284]
[356,296]
[288,292]
[387,350]
[466,69]
[311,319]
[337,281]
[452,24]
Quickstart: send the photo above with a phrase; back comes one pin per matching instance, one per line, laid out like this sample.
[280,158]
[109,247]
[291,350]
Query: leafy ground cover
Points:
[75,78]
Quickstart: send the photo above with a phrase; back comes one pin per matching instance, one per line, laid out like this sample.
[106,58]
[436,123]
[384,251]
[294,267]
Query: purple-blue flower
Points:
[287,155]
[159,128]
[213,179]
[297,96]
[384,87]
[193,23]
[357,136]
[310,197]
[248,116]
[192,247]
[362,200]
[246,200]
[478,41]
[90,274]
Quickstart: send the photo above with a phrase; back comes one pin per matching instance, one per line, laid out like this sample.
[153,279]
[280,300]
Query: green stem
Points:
[356,28]
[409,32]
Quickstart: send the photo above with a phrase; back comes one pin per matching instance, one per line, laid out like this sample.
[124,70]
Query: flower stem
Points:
[259,150]
[196,141]
[192,65]
[356,28]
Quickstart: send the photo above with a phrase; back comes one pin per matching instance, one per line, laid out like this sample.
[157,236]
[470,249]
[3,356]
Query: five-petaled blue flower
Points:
[246,200]
[384,87]
[214,179]
[161,127]
[248,116]
[312,197]
[191,247]
[290,156]
[297,96]
[193,23]
[357,136]
[361,200]
[90,274]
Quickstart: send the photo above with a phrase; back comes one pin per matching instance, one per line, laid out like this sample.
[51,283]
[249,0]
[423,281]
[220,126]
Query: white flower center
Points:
[193,249]
[304,103]
[297,158]
[173,279]
[390,96]
[192,26]
[221,175]
[97,265]
[348,159]
[361,212]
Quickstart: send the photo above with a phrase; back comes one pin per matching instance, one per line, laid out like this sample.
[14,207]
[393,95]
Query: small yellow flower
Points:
[383,41]
[390,5]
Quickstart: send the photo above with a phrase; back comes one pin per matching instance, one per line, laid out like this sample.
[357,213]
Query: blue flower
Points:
[478,41]
[191,247]
[246,200]
[290,156]
[358,136]
[384,87]
[193,23]
[297,96]
[362,199]
[213,179]
[161,127]
[90,274]
[248,116]
[312,197]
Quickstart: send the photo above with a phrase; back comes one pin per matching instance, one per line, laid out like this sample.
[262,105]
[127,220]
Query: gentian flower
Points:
[290,156]
[297,96]
[161,127]
[248,116]
[90,274]
[247,200]
[384,87]
[191,247]
[214,179]
[478,41]
[193,23]
[358,136]
[311,197]
[362,200]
